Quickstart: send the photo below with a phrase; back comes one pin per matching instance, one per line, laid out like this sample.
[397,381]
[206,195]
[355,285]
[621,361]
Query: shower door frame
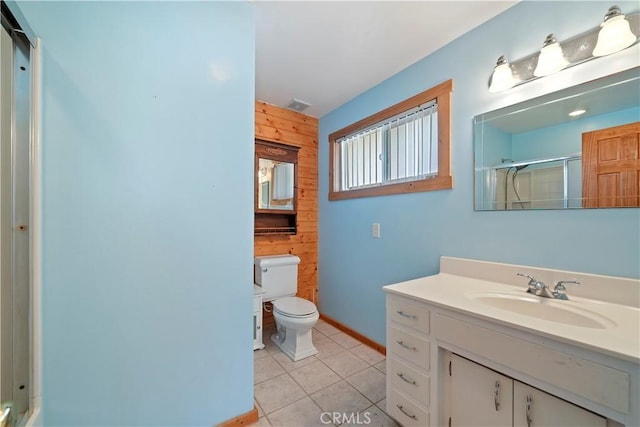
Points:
[28,226]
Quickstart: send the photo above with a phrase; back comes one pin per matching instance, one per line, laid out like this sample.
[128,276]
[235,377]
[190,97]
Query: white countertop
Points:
[619,336]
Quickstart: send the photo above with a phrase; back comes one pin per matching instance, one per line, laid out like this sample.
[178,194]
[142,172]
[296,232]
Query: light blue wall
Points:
[496,146]
[416,229]
[557,140]
[566,138]
[147,248]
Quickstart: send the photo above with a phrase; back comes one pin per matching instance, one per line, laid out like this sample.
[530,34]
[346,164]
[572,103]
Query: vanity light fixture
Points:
[502,77]
[551,58]
[617,32]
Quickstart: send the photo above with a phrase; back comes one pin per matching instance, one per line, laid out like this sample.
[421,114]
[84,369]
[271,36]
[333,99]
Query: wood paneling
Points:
[289,127]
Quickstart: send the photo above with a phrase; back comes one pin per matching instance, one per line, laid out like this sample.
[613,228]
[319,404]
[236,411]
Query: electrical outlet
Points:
[375,229]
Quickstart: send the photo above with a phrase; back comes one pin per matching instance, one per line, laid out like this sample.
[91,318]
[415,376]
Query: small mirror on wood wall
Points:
[276,181]
[275,184]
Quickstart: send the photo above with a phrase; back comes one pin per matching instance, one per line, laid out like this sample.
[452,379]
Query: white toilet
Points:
[295,317]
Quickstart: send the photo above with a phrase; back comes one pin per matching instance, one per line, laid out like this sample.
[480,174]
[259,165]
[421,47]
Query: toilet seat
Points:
[294,307]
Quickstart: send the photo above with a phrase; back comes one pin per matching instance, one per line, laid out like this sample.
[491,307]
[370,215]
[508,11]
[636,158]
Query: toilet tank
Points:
[277,275]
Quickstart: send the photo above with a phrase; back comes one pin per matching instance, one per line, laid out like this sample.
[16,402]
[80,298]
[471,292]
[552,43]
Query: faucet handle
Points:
[560,291]
[536,287]
[531,279]
[533,282]
[560,284]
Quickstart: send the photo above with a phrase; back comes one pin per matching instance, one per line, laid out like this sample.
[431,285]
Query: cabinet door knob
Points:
[496,396]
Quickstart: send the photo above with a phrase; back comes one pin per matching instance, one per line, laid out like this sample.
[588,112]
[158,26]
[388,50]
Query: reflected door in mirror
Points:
[611,159]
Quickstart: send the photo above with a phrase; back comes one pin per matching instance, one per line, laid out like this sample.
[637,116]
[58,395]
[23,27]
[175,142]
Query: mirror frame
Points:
[275,221]
[281,153]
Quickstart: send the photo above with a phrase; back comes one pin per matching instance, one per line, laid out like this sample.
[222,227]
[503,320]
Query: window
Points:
[404,148]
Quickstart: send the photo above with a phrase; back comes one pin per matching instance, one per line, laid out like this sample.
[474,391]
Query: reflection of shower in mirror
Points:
[545,184]
[514,185]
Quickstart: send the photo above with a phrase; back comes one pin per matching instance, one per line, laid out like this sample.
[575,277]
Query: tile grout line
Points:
[340,377]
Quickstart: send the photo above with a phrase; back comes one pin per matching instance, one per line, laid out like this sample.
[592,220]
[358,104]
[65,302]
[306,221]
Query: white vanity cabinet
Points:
[510,368]
[257,318]
[533,407]
[408,367]
[479,396]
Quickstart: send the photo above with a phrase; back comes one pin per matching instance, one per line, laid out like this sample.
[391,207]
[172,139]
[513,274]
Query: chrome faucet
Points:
[560,292]
[537,287]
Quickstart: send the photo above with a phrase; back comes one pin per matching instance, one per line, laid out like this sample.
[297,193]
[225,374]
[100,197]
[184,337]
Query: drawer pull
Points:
[406,380]
[528,410]
[406,413]
[403,314]
[402,344]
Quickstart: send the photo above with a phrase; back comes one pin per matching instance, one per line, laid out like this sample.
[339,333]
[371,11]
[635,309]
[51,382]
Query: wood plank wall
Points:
[289,127]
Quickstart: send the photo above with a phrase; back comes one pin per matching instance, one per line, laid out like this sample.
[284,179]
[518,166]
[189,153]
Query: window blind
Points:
[402,148]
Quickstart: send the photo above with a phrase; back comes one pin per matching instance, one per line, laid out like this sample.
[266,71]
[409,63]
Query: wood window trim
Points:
[444,181]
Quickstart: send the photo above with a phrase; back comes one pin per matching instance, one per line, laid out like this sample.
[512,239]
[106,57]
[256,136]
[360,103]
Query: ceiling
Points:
[608,94]
[327,52]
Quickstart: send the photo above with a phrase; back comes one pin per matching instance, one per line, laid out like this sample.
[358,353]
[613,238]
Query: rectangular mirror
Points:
[575,148]
[275,184]
[276,181]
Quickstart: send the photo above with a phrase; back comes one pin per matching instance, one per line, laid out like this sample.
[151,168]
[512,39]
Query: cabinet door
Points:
[535,408]
[257,323]
[479,396]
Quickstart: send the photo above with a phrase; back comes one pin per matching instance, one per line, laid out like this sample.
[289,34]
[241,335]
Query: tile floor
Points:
[346,377]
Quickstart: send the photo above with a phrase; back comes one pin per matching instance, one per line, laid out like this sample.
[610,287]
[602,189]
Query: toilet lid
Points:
[294,306]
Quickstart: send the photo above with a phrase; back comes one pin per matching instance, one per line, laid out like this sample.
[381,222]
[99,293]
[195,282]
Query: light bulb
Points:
[551,58]
[615,33]
[502,77]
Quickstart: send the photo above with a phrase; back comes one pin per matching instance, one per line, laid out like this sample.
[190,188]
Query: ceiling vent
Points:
[297,105]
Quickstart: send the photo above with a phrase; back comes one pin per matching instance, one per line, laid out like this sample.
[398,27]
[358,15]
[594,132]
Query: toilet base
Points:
[295,345]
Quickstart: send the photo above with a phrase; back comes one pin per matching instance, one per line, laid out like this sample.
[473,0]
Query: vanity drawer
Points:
[409,346]
[407,313]
[410,381]
[406,412]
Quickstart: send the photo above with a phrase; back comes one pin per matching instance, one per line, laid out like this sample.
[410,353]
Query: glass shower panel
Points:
[574,183]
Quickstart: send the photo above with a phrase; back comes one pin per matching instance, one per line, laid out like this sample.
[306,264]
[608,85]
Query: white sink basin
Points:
[565,312]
